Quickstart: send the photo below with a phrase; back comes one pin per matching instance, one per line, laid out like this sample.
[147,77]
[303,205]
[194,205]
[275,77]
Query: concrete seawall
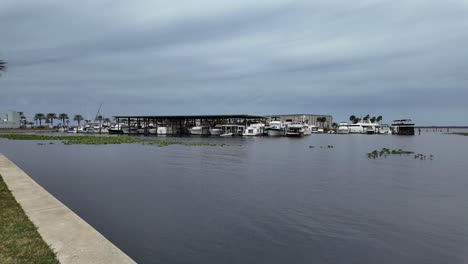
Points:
[73,240]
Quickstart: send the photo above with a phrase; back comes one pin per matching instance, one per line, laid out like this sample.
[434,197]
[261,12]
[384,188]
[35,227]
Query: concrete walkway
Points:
[74,240]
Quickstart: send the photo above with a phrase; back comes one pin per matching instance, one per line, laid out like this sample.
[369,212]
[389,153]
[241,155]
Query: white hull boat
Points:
[199,130]
[216,131]
[343,128]
[254,130]
[295,130]
[164,131]
[275,129]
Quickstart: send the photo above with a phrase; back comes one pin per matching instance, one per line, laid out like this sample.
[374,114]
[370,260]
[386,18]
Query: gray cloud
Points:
[152,57]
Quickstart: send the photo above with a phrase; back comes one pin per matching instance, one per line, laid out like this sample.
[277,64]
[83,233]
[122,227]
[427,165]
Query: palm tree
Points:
[63,117]
[50,117]
[40,117]
[78,118]
[2,66]
[373,119]
[322,120]
[352,118]
[379,118]
[23,120]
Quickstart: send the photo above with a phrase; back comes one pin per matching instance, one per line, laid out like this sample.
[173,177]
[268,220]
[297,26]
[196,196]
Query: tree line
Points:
[2,66]
[50,117]
[366,118]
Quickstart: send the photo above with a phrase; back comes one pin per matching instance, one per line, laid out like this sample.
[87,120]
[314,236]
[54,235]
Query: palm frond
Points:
[3,65]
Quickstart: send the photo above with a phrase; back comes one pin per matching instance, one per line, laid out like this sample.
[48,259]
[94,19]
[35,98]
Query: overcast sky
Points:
[393,58]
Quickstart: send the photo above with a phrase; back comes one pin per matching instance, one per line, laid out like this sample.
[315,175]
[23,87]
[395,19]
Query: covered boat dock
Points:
[180,124]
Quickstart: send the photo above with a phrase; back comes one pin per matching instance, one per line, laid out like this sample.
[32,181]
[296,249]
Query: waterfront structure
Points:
[275,128]
[311,119]
[12,120]
[403,127]
[181,124]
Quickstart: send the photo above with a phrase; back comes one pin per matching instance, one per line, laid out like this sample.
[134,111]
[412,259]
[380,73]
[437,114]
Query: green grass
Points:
[99,140]
[19,240]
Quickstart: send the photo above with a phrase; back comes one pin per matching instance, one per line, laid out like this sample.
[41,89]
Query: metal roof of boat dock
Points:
[191,116]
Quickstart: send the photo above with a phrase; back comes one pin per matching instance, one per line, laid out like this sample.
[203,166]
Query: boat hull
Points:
[115,131]
[216,132]
[294,134]
[275,132]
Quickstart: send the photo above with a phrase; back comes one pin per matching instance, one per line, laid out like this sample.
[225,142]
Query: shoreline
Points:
[26,130]
[70,237]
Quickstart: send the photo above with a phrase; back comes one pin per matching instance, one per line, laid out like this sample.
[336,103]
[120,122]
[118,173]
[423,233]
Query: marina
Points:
[292,125]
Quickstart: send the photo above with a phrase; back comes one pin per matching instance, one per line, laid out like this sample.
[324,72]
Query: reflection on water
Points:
[266,200]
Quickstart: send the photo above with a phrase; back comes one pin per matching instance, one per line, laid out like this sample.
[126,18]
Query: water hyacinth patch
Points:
[100,140]
[385,152]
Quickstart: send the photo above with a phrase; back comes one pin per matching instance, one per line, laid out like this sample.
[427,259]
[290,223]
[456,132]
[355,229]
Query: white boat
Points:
[275,128]
[118,129]
[89,130]
[215,131]
[72,130]
[164,130]
[385,130]
[365,127]
[254,130]
[232,130]
[199,130]
[403,127]
[308,129]
[295,130]
[356,128]
[343,128]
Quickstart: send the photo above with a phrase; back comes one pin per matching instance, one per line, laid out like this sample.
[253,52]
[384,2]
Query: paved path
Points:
[74,240]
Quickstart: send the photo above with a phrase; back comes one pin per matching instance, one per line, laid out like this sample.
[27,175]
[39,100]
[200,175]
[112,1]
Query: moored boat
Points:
[275,128]
[295,130]
[199,130]
[343,128]
[254,130]
[216,131]
[403,127]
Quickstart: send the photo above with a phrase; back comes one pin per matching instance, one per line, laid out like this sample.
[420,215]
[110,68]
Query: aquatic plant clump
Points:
[385,152]
[98,140]
[168,142]
[461,134]
[328,146]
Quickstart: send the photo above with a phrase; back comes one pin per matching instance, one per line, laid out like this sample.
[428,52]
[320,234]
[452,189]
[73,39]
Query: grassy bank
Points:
[27,130]
[461,134]
[19,240]
[104,140]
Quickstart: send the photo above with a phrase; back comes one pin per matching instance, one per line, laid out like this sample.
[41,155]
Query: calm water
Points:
[266,200]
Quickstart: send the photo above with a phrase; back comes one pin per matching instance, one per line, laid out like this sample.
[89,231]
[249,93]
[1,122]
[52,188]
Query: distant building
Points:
[303,118]
[11,119]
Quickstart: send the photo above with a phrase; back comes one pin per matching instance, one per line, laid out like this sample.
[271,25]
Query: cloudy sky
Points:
[393,58]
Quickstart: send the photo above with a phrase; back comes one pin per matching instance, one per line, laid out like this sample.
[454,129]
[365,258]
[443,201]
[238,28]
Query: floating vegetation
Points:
[461,134]
[168,142]
[99,140]
[328,146]
[385,152]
